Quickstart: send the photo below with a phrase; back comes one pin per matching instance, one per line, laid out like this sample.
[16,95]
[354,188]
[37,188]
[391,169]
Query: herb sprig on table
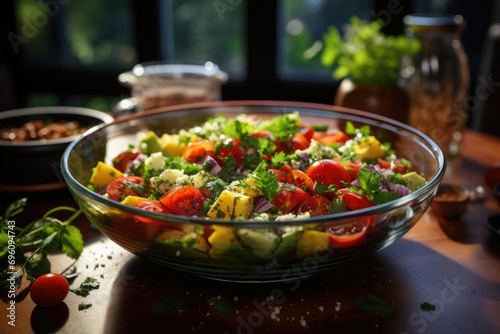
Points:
[24,250]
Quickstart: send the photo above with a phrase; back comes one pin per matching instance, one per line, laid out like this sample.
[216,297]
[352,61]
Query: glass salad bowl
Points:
[249,250]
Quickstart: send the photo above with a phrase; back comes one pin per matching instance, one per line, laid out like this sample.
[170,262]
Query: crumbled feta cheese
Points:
[291,216]
[171,175]
[199,179]
[320,151]
[155,161]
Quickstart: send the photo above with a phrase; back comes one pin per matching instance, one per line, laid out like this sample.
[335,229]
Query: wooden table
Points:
[451,264]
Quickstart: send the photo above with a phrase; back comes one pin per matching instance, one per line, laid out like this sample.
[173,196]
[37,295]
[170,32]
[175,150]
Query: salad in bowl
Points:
[251,190]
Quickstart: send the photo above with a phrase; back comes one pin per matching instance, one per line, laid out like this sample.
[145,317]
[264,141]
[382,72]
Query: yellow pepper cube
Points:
[104,174]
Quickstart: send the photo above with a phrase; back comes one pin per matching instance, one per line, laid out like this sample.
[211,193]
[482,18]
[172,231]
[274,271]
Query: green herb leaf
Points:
[373,303]
[72,242]
[84,306]
[88,285]
[425,306]
[266,181]
[221,305]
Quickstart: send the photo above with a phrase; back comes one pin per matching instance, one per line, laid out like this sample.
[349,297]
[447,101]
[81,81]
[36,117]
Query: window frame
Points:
[262,81]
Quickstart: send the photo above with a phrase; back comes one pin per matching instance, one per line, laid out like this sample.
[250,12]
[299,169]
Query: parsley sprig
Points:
[24,250]
[266,181]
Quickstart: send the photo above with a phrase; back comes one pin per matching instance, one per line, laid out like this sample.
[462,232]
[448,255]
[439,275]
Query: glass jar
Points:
[437,79]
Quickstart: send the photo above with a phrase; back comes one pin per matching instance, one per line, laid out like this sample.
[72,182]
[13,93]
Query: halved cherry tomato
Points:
[316,205]
[300,142]
[121,161]
[331,137]
[284,174]
[348,235]
[154,206]
[229,148]
[352,200]
[303,181]
[49,290]
[193,152]
[328,172]
[288,198]
[307,131]
[184,200]
[396,168]
[125,186]
[352,167]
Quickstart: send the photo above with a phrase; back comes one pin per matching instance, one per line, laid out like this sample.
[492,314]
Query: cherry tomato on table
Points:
[49,290]
[183,200]
[125,186]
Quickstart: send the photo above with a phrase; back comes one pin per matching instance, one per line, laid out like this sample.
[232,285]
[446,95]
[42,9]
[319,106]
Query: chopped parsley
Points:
[84,306]
[425,306]
[266,181]
[373,303]
[88,285]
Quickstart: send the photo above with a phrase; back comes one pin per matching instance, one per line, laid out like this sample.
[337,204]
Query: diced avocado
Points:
[413,181]
[369,148]
[170,145]
[262,242]
[288,243]
[104,174]
[185,243]
[231,205]
[226,248]
[150,143]
[133,200]
[311,242]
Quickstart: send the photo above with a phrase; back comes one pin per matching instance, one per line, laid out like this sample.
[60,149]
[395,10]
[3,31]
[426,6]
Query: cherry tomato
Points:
[396,166]
[284,174]
[348,235]
[288,198]
[121,161]
[328,172]
[492,175]
[331,137]
[125,186]
[300,142]
[307,131]
[352,200]
[316,205]
[184,200]
[230,148]
[49,290]
[154,226]
[303,181]
[193,152]
[352,167]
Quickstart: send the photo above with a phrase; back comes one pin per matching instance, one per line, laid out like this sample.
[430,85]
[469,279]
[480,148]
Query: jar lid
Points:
[435,22]
[154,71]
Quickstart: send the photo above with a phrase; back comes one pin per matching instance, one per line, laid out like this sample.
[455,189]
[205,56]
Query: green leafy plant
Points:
[365,54]
[24,250]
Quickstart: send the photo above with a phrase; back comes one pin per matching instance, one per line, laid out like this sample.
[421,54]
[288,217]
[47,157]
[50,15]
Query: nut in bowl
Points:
[33,141]
[253,191]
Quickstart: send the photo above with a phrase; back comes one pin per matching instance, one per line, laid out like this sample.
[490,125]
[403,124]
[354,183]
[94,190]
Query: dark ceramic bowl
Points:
[34,165]
[138,231]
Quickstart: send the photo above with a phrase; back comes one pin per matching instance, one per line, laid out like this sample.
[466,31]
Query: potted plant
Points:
[368,62]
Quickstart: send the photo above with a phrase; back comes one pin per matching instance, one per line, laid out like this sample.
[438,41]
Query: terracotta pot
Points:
[389,101]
